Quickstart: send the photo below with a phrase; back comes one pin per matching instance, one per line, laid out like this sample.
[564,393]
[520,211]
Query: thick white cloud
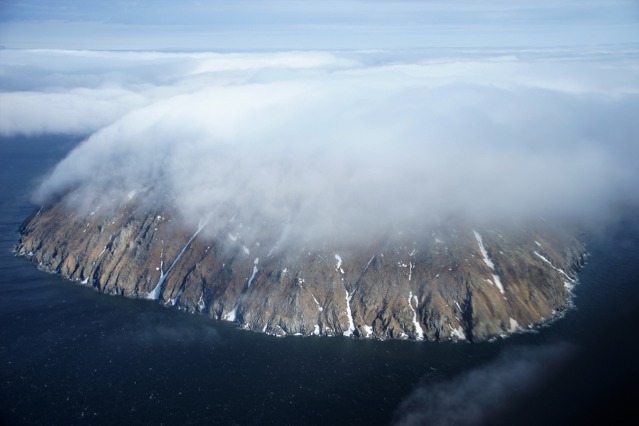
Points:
[344,145]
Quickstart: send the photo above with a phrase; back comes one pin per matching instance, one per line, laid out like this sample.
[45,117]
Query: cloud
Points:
[480,396]
[338,146]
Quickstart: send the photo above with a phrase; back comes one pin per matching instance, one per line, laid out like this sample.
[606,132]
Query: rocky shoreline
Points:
[458,283]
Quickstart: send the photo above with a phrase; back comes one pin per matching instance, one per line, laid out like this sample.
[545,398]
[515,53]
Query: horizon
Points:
[327,25]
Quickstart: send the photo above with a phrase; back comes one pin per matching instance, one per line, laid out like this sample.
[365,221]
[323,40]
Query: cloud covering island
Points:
[336,143]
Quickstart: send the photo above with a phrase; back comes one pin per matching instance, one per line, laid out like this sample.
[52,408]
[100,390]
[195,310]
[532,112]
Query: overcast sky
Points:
[308,24]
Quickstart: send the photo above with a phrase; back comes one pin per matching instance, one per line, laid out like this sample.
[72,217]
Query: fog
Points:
[336,145]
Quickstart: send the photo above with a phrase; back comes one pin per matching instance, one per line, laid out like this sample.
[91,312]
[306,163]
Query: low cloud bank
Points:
[341,145]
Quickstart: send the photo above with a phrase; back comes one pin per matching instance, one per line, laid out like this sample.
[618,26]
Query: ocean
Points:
[70,355]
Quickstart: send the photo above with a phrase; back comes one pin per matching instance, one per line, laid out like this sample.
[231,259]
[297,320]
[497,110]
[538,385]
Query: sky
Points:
[307,24]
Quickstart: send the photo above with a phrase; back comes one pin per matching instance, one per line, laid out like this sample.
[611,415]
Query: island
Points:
[451,282]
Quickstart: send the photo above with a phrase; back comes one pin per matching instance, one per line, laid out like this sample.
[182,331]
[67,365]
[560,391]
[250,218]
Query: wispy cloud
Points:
[481,396]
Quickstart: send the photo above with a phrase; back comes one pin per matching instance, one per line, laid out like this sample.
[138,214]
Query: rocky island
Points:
[451,282]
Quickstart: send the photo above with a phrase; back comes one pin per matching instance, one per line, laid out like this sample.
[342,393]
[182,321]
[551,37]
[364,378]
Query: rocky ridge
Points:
[457,283]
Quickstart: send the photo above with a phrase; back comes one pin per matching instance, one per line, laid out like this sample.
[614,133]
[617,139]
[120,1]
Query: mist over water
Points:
[482,395]
[339,146]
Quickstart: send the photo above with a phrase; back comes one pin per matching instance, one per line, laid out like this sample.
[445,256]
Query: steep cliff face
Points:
[455,283]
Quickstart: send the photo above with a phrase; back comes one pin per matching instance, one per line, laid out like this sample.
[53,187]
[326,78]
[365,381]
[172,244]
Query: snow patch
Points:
[369,331]
[246,250]
[338,267]
[231,315]
[316,330]
[514,325]
[200,303]
[457,332]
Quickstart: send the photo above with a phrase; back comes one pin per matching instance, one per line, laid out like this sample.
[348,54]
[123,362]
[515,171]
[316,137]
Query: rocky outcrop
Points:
[457,283]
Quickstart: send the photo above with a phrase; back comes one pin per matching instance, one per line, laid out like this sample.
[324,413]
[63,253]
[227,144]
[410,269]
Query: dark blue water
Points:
[69,355]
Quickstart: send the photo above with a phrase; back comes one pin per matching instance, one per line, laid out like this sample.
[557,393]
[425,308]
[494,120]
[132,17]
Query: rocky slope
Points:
[458,283]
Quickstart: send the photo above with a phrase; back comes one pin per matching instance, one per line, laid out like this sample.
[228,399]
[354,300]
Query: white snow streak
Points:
[561,271]
[418,328]
[496,280]
[483,251]
[255,262]
[319,307]
[155,293]
[351,324]
[254,272]
[368,264]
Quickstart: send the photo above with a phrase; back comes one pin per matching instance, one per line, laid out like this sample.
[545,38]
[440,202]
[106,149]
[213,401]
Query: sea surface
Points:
[70,355]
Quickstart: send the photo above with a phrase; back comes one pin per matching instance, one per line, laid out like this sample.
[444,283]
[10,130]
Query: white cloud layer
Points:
[337,144]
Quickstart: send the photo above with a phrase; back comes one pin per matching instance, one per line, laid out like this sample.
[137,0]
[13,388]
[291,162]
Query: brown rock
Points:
[445,286]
